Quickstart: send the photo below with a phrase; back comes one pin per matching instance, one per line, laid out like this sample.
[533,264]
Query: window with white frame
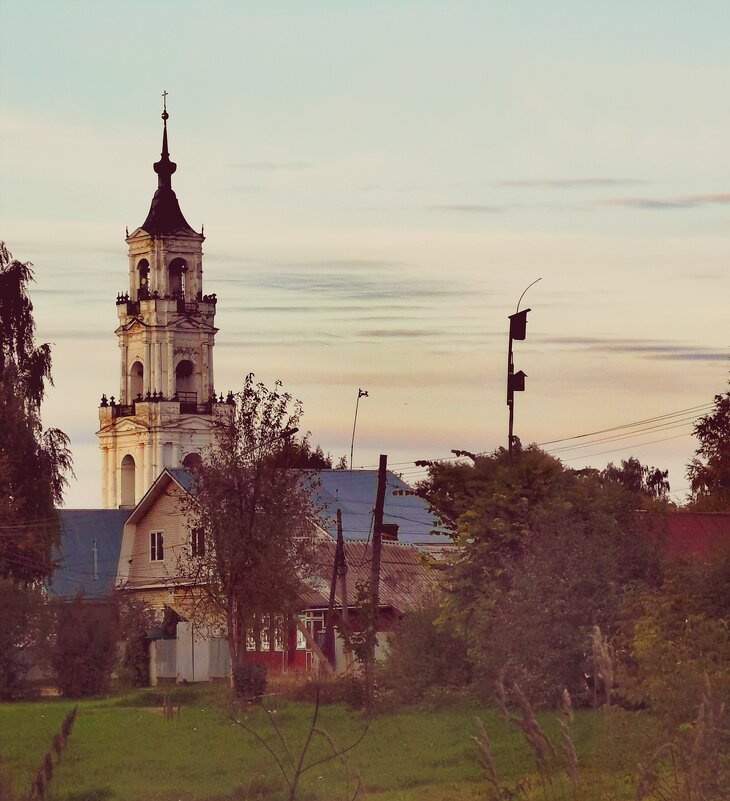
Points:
[157,546]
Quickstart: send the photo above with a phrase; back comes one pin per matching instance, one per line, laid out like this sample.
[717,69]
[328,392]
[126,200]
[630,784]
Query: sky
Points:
[379,182]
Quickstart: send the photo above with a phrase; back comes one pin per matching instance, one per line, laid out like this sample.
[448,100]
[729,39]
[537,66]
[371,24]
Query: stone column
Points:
[175,454]
[159,455]
[170,367]
[139,460]
[147,386]
[112,497]
[148,465]
[204,372]
[158,367]
[123,382]
[105,500]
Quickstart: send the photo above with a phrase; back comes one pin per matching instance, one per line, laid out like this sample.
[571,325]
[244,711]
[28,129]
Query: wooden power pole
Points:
[375,569]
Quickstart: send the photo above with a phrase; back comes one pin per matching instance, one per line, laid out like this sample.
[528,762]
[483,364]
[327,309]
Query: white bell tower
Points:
[166,408]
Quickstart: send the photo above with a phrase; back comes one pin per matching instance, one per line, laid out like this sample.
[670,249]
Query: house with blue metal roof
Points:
[87,556]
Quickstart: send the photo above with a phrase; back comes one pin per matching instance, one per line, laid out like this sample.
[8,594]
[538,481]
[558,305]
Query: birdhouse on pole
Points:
[518,325]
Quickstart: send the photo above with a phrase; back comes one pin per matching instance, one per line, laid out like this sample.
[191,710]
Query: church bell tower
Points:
[166,408]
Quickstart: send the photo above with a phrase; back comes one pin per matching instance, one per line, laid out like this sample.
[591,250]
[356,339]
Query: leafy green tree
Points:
[83,650]
[646,482]
[22,633]
[679,639]
[33,462]
[546,553]
[256,517]
[709,471]
[300,454]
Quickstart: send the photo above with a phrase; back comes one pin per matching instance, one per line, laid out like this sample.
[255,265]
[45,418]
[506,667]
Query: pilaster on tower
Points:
[165,411]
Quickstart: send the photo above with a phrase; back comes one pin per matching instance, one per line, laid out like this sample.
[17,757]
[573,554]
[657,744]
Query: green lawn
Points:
[126,752]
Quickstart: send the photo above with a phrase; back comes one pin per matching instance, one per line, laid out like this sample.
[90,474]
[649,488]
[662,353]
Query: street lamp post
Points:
[515,381]
[361,393]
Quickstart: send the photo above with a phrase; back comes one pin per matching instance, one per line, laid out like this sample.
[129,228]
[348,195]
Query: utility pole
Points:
[329,631]
[515,381]
[375,569]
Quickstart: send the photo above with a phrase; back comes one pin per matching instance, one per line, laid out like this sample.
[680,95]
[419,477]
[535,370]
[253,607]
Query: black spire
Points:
[164,215]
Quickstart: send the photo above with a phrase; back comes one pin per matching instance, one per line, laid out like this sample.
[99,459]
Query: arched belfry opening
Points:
[176,278]
[192,460]
[185,381]
[143,279]
[128,482]
[136,381]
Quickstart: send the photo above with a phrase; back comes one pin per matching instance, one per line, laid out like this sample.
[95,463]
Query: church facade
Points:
[165,412]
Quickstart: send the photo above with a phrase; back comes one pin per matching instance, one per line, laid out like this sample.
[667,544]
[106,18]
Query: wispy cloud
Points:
[271,166]
[700,356]
[470,208]
[569,183]
[682,202]
[648,349]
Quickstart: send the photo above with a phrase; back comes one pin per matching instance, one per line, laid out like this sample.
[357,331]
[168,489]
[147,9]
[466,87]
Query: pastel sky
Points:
[379,181]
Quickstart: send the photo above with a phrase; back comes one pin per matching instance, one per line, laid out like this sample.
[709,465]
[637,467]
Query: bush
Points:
[22,625]
[135,620]
[84,647]
[425,657]
[249,680]
[679,639]
[345,689]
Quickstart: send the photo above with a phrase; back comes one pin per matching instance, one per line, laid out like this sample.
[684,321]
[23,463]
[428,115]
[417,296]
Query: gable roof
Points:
[83,531]
[353,492]
[178,475]
[408,579]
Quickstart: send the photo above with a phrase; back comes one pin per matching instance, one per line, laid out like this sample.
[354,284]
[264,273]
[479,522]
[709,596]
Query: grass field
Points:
[123,749]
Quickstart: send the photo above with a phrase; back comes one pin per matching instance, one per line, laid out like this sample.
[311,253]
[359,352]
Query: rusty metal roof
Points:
[408,579]
[696,534]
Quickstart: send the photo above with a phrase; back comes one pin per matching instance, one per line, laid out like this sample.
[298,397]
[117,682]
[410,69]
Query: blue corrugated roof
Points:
[183,478]
[75,556]
[353,492]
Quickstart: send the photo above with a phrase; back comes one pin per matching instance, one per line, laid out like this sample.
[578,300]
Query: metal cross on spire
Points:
[164,100]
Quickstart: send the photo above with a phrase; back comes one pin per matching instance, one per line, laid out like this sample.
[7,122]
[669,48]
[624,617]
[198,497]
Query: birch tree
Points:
[251,519]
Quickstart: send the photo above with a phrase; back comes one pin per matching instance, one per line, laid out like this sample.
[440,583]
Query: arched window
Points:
[143,279]
[136,381]
[176,278]
[127,498]
[192,460]
[185,381]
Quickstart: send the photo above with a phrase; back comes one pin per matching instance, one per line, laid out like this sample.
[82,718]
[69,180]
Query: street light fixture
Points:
[515,380]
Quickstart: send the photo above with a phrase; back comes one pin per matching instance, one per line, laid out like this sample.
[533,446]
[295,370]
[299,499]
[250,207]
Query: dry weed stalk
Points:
[565,721]
[603,670]
[292,766]
[169,710]
[538,741]
[484,755]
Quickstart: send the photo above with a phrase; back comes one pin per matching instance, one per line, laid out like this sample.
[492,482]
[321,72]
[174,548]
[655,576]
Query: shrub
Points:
[84,647]
[679,639]
[249,680]
[344,689]
[22,625]
[424,656]
[135,620]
